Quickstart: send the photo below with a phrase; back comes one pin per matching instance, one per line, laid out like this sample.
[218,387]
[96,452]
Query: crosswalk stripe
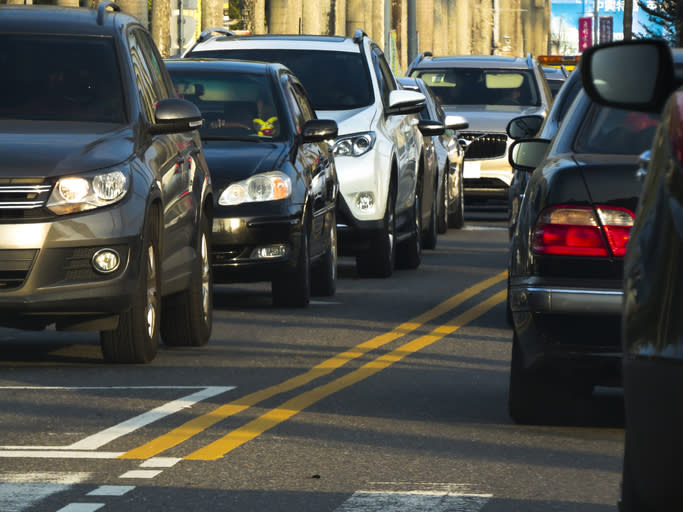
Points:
[424,501]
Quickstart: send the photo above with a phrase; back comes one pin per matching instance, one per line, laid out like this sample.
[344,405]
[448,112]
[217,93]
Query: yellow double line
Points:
[274,417]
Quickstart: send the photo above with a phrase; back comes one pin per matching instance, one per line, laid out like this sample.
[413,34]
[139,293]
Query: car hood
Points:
[43,150]
[488,118]
[350,121]
[230,160]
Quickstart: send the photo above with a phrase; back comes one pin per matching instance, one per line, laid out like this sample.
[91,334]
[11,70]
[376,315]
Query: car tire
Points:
[508,309]
[456,220]
[136,338]
[410,252]
[431,236]
[380,259]
[293,289]
[442,213]
[324,274]
[187,316]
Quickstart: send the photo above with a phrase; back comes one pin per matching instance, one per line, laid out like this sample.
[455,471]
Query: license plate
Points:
[471,170]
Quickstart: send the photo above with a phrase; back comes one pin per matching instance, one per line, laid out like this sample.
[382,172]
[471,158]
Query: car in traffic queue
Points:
[488,91]
[379,151]
[647,75]
[556,77]
[273,171]
[566,258]
[105,195]
[445,154]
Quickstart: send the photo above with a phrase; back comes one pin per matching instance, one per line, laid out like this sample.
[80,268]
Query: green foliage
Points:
[665,15]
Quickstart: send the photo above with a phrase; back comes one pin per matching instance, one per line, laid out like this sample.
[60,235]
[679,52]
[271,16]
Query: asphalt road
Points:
[390,396]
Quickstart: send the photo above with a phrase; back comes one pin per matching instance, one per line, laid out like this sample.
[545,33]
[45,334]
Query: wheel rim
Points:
[418,222]
[206,278]
[333,251]
[444,216]
[390,226]
[152,293]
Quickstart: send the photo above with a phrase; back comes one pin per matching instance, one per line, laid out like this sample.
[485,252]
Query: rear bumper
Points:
[564,300]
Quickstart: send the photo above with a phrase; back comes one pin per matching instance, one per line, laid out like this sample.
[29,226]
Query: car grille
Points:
[484,145]
[23,199]
[14,267]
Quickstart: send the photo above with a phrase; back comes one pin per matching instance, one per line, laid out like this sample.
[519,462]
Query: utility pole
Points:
[412,30]
[596,7]
[628,19]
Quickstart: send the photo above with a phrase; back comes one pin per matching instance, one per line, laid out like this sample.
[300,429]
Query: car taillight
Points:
[577,231]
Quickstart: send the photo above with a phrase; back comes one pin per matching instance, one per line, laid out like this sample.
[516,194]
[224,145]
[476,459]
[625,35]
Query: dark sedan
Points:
[639,75]
[273,174]
[566,258]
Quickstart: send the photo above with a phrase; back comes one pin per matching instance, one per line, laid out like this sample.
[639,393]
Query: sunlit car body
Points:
[444,153]
[273,173]
[556,77]
[640,75]
[105,196]
[566,258]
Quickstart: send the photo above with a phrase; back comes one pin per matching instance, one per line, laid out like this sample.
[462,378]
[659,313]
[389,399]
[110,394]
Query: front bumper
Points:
[489,177]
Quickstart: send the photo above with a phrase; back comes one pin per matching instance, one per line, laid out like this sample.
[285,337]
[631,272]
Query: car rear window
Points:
[333,80]
[232,104]
[60,78]
[477,86]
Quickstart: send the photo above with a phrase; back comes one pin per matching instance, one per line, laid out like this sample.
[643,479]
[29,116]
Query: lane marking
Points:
[274,417]
[201,423]
[38,453]
[81,507]
[20,491]
[160,462]
[424,501]
[111,490]
[141,473]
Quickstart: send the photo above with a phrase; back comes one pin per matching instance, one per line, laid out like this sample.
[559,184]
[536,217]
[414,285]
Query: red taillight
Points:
[576,231]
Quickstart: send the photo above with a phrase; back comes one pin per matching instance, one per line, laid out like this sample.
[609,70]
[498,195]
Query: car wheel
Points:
[508,309]
[380,259]
[136,338]
[442,214]
[293,289]
[431,234]
[456,219]
[410,252]
[187,316]
[324,278]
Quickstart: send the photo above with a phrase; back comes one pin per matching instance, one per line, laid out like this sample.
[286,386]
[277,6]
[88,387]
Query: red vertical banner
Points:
[585,32]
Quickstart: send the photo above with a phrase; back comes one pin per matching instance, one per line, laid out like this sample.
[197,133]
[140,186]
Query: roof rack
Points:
[529,60]
[102,8]
[417,60]
[207,34]
[358,36]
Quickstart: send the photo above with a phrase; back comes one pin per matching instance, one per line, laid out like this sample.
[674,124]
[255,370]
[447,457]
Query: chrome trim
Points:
[566,300]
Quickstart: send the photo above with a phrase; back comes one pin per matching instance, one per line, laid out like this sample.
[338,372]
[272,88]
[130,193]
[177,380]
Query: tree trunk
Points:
[136,8]
[628,19]
[161,21]
[212,14]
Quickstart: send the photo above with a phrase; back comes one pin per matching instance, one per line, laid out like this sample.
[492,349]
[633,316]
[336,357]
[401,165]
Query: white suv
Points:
[379,150]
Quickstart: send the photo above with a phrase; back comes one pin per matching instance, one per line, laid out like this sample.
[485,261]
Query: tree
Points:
[666,16]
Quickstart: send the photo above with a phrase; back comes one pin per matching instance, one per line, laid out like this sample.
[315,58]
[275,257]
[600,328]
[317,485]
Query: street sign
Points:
[585,32]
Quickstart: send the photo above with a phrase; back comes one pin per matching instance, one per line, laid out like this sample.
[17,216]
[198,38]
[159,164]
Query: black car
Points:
[555,76]
[640,75]
[273,172]
[444,153]
[566,258]
[105,196]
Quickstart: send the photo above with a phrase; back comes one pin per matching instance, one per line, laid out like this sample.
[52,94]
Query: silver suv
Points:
[379,150]
[488,91]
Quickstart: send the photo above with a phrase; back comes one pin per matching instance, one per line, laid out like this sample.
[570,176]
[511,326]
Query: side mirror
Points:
[524,127]
[405,102]
[633,75]
[429,127]
[175,115]
[456,122]
[527,154]
[317,130]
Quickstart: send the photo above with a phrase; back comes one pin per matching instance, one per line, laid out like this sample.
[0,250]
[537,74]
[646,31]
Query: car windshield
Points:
[608,130]
[333,80]
[60,78]
[233,105]
[477,86]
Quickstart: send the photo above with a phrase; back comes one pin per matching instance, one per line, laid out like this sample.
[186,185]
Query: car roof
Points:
[227,65]
[473,61]
[280,42]
[556,73]
[49,19]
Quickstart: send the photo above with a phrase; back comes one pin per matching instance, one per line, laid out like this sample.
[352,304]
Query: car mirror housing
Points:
[633,75]
[456,122]
[430,127]
[175,115]
[317,130]
[527,154]
[524,127]
[405,102]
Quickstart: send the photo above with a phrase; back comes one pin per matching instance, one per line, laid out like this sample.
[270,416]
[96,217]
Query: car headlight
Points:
[354,145]
[87,191]
[268,186]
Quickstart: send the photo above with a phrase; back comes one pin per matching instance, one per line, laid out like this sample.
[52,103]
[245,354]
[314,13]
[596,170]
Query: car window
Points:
[232,104]
[385,77]
[333,80]
[60,78]
[478,86]
[607,130]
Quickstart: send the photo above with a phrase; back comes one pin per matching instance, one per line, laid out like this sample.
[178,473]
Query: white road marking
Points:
[484,228]
[323,302]
[111,490]
[81,507]
[20,491]
[33,452]
[160,462]
[424,501]
[140,473]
